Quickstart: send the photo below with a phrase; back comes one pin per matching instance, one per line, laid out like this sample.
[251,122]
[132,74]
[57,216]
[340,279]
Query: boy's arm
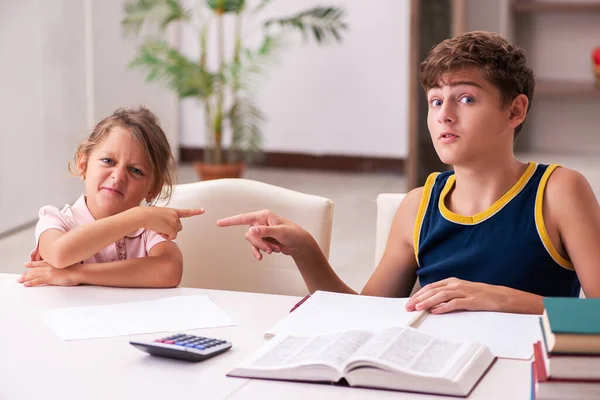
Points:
[62,249]
[163,267]
[396,273]
[571,205]
[270,233]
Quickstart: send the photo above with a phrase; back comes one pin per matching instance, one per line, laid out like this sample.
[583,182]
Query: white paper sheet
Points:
[168,314]
[506,335]
[327,312]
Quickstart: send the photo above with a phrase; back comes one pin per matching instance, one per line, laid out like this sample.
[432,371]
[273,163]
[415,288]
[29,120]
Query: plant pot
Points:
[597,75]
[208,172]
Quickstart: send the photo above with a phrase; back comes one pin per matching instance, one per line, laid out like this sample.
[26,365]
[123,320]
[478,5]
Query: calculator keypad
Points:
[190,347]
[191,341]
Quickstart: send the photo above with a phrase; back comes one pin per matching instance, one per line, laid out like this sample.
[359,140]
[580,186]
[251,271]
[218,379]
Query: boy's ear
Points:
[518,110]
[81,164]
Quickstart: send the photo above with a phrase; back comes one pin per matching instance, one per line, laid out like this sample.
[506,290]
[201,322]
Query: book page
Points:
[506,335]
[327,312]
[331,349]
[405,348]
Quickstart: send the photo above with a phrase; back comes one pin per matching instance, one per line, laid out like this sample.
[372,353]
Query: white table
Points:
[36,364]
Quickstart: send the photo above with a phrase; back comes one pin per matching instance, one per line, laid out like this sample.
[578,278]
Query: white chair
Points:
[221,258]
[387,204]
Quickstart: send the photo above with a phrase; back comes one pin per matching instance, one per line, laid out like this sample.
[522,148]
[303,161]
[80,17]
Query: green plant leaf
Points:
[161,12]
[252,66]
[325,23]
[246,119]
[226,6]
[169,67]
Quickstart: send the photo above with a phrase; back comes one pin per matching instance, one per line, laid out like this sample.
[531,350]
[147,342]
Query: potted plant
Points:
[228,90]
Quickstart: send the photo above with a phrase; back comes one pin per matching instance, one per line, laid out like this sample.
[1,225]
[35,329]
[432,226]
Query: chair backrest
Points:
[387,204]
[221,258]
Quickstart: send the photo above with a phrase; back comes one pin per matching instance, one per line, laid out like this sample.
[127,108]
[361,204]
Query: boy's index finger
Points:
[240,219]
[189,212]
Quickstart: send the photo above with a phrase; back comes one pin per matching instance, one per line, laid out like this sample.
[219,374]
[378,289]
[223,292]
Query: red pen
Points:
[300,302]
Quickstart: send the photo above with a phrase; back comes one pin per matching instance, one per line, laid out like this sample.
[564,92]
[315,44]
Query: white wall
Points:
[115,85]
[61,70]
[42,105]
[350,99]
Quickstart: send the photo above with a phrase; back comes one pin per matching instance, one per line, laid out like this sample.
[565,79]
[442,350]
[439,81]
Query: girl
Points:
[106,237]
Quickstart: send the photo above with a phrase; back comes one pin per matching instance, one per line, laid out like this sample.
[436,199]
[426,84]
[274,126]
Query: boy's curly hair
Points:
[503,64]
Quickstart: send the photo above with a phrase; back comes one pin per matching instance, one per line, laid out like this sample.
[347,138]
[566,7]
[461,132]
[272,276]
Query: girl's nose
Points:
[118,174]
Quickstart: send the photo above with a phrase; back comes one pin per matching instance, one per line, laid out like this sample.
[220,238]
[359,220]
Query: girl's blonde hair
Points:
[145,128]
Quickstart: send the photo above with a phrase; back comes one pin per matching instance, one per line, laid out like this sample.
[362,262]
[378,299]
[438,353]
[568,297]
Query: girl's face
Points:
[118,174]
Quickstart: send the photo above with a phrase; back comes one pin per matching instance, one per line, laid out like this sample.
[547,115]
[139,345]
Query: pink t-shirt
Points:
[134,245]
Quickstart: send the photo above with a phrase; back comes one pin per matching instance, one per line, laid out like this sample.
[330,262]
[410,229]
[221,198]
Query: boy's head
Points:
[502,64]
[496,94]
[128,152]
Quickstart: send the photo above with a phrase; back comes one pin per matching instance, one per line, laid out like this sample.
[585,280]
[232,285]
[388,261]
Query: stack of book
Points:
[566,362]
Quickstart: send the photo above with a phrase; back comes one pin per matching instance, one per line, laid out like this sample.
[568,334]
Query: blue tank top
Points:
[505,245]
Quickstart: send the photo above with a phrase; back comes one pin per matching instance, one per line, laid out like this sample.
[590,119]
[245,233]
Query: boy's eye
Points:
[136,171]
[467,100]
[107,161]
[436,102]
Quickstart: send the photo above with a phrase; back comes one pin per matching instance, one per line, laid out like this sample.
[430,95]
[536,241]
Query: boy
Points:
[494,234]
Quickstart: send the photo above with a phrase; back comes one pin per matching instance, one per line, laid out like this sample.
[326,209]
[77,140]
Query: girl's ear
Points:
[152,194]
[81,164]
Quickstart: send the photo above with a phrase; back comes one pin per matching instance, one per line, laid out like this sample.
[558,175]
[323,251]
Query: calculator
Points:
[184,347]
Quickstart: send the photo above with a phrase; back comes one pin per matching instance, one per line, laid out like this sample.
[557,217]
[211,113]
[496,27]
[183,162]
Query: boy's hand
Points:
[42,273]
[165,221]
[270,233]
[454,294]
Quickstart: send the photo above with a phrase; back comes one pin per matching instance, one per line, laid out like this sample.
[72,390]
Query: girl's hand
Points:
[41,273]
[165,221]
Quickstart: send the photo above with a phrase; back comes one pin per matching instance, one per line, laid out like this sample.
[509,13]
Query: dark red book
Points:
[545,387]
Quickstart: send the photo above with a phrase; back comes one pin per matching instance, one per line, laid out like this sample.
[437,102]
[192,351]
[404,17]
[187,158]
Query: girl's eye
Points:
[136,171]
[467,100]
[436,102]
[108,161]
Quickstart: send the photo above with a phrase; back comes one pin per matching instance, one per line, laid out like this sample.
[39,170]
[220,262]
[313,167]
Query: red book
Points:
[298,304]
[548,388]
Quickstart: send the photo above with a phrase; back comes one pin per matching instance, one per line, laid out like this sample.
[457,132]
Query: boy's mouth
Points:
[448,135]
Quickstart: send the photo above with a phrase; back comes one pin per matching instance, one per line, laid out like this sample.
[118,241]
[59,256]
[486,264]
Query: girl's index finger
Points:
[190,212]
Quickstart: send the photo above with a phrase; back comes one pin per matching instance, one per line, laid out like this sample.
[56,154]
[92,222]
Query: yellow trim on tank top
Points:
[493,209]
[539,221]
[425,197]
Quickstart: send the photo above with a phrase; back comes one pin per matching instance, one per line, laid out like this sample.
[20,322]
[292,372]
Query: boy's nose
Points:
[446,114]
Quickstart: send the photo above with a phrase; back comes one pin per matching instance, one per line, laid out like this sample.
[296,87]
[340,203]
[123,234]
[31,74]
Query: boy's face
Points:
[466,118]
[117,174]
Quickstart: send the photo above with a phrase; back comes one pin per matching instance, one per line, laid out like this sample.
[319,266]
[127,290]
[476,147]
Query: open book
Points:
[395,358]
[506,335]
